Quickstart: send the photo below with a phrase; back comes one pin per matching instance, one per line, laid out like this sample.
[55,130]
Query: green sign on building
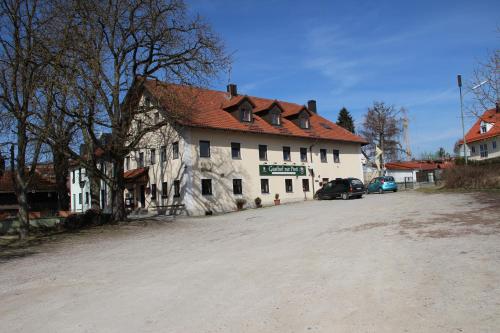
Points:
[282,170]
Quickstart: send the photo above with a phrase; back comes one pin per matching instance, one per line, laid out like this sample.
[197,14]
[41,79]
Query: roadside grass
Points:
[441,189]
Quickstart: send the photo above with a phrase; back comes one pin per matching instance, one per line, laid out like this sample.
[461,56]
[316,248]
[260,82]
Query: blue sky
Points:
[351,53]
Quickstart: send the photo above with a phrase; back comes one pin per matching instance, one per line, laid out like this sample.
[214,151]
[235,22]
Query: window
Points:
[163,154]
[177,188]
[264,185]
[303,154]
[73,180]
[235,150]
[206,186]
[483,150]
[494,145]
[473,149]
[484,129]
[204,148]
[322,154]
[86,198]
[127,163]
[164,190]
[141,160]
[175,149]
[275,118]
[152,156]
[157,117]
[304,121]
[263,152]
[79,198]
[286,154]
[237,186]
[305,185]
[153,191]
[246,115]
[80,174]
[288,185]
[336,156]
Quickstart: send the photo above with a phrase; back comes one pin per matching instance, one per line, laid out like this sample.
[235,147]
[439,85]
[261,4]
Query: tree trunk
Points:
[23,215]
[61,167]
[118,202]
[95,190]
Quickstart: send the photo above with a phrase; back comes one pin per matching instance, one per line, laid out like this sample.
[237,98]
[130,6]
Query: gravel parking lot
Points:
[398,262]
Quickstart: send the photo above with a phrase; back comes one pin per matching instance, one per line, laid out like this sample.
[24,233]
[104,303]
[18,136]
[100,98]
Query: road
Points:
[398,262]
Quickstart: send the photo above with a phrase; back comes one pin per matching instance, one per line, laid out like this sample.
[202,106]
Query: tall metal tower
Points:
[406,135]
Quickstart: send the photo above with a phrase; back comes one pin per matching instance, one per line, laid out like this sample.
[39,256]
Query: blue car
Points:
[381,185]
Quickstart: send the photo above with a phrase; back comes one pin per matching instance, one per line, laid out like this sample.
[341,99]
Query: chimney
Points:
[2,165]
[311,106]
[497,106]
[232,90]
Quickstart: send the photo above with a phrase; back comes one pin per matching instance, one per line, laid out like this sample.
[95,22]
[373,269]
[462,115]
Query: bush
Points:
[88,219]
[258,202]
[473,176]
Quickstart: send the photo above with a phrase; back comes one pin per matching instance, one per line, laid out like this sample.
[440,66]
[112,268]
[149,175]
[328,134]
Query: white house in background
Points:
[483,139]
[415,171]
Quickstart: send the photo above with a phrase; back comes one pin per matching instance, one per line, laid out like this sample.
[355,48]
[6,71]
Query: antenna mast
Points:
[406,135]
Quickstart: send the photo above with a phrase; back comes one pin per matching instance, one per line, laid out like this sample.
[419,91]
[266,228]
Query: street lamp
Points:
[82,186]
[459,80]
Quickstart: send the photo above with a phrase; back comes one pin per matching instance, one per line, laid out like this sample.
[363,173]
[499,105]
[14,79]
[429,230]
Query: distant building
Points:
[42,192]
[483,138]
[416,171]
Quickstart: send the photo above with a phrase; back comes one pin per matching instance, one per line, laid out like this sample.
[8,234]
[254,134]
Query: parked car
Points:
[341,188]
[381,185]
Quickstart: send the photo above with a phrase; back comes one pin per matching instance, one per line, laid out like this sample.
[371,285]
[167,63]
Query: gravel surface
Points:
[398,262]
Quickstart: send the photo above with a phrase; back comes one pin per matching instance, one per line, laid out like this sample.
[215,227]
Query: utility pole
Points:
[459,79]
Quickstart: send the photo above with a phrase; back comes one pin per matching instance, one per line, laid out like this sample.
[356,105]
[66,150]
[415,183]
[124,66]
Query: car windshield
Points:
[356,182]
[389,179]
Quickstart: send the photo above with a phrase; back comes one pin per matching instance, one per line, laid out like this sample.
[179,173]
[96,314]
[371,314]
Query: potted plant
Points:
[277,199]
[258,202]
[240,203]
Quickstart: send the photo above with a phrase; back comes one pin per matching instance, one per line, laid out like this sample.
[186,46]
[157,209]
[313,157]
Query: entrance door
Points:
[143,196]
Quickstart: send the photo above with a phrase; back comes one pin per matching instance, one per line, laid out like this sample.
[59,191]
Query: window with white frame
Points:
[246,115]
[483,150]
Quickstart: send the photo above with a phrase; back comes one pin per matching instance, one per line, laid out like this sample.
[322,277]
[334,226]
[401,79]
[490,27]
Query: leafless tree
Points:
[21,69]
[485,84]
[121,44]
[381,129]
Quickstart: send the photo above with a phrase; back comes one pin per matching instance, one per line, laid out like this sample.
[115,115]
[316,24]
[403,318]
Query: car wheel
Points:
[345,196]
[380,191]
[395,190]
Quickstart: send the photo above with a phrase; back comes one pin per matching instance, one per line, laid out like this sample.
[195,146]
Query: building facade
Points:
[227,148]
[483,138]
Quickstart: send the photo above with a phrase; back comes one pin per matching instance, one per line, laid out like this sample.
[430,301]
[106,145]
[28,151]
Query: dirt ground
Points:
[402,262]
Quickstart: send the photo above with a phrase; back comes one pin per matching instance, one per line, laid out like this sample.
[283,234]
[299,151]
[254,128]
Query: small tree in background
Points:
[381,128]
[345,120]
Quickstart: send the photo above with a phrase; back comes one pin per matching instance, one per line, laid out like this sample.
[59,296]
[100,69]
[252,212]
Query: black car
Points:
[344,188]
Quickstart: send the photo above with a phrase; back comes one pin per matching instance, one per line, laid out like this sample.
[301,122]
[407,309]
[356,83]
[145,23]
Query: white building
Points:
[221,147]
[483,138]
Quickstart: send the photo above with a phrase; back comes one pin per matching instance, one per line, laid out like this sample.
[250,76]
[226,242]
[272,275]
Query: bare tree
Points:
[121,44]
[20,75]
[381,129]
[485,84]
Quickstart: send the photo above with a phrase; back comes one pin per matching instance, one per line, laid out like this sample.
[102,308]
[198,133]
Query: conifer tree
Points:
[345,120]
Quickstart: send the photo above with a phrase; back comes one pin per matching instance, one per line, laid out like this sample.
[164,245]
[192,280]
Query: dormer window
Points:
[246,115]
[483,128]
[276,118]
[304,121]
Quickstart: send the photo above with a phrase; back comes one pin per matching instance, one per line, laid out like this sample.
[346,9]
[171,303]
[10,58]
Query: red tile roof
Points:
[418,165]
[474,134]
[208,109]
[135,173]
[43,181]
